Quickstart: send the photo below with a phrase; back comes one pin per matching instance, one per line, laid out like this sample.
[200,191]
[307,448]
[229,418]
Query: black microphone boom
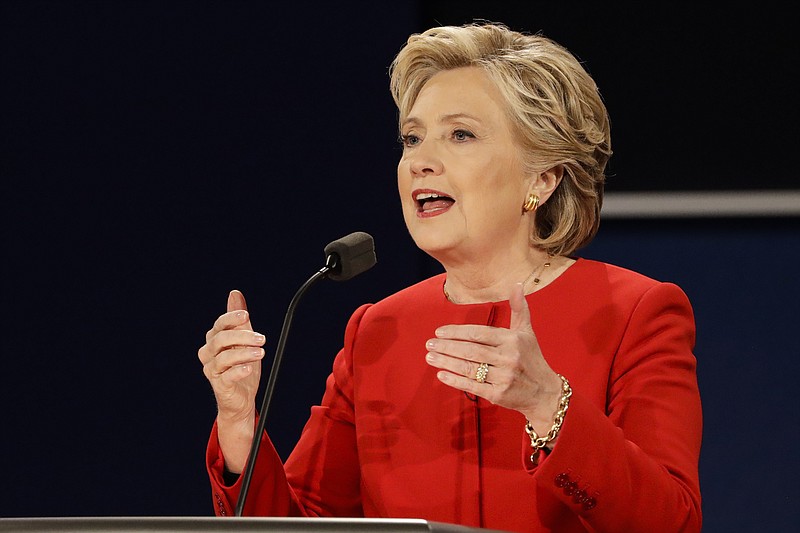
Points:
[345,258]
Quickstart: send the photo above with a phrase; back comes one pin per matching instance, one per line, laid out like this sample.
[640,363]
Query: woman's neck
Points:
[478,283]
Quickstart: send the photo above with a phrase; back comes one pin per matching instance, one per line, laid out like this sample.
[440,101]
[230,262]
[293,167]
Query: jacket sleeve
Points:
[635,467]
[321,476]
[269,494]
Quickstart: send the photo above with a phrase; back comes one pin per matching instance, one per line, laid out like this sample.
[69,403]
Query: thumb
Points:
[236,302]
[520,313]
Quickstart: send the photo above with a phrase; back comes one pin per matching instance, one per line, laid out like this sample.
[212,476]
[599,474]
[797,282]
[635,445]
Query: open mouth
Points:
[432,203]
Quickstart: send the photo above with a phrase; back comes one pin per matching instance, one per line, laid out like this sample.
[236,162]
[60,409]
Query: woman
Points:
[525,389]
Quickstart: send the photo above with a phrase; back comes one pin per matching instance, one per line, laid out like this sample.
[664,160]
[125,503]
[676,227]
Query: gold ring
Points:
[482,372]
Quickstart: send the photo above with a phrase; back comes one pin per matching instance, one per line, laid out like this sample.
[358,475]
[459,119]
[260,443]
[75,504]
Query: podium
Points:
[185,524]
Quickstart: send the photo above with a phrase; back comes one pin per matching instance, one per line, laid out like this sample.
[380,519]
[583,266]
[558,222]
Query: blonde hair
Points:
[553,104]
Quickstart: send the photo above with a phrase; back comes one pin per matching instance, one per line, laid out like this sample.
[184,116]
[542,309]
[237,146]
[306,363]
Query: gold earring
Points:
[531,203]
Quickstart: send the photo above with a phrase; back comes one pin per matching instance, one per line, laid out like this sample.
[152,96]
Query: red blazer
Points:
[389,440]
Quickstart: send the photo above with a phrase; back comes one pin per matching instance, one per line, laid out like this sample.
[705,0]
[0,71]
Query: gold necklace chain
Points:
[536,275]
[541,268]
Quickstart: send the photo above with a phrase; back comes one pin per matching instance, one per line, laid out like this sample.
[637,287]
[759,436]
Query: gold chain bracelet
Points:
[537,442]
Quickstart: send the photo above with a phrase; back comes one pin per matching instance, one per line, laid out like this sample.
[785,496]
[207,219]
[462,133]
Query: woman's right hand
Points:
[231,360]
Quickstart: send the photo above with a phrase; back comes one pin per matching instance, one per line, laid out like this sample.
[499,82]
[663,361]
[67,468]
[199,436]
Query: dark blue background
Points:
[157,154]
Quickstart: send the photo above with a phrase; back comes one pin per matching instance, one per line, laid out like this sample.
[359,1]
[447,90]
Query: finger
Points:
[223,379]
[520,313]
[228,339]
[232,320]
[228,379]
[465,383]
[471,333]
[462,367]
[232,358]
[462,350]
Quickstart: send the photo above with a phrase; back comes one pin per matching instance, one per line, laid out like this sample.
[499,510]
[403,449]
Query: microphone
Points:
[345,258]
[350,256]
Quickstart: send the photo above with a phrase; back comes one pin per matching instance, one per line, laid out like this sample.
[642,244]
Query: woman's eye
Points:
[462,135]
[409,140]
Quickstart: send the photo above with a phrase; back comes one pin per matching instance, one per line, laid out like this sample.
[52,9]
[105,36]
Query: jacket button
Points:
[570,488]
[561,480]
[579,496]
[220,505]
[590,503]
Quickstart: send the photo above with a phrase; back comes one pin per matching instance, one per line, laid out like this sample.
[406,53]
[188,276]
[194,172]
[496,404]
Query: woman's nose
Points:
[425,161]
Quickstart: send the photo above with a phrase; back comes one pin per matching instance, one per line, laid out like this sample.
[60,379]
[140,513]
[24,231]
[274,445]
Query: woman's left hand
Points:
[519,378]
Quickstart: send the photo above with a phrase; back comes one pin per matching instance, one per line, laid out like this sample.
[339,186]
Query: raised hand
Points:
[231,360]
[517,376]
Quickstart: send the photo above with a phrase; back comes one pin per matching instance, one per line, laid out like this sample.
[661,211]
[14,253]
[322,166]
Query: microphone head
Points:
[350,256]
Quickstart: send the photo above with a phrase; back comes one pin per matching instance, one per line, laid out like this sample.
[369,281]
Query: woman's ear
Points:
[545,183]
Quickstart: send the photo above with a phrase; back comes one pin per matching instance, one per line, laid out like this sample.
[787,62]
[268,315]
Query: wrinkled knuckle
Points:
[469,368]
[474,334]
[215,345]
[469,387]
[206,354]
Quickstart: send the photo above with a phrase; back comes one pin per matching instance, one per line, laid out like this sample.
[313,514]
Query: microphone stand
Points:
[331,264]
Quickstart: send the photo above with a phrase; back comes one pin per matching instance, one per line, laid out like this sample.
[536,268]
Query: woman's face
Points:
[460,177]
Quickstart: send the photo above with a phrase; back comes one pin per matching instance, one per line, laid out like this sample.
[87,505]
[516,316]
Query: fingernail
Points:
[258,337]
[431,344]
[240,314]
